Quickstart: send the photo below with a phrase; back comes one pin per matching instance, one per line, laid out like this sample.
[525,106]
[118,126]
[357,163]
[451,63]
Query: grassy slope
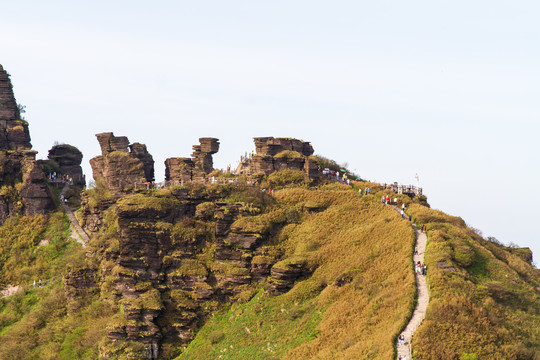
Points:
[484,305]
[484,297]
[34,323]
[359,242]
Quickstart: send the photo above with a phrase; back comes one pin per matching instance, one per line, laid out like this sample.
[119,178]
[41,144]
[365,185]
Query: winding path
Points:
[404,351]
[77,232]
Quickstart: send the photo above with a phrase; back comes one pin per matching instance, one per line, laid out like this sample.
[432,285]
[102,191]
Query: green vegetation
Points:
[352,289]
[351,306]
[40,322]
[289,155]
[287,177]
[484,297]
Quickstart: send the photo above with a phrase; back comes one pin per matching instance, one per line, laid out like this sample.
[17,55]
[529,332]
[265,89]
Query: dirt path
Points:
[77,232]
[404,351]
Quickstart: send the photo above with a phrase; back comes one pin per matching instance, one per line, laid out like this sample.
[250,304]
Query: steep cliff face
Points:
[121,167]
[24,188]
[14,132]
[175,256]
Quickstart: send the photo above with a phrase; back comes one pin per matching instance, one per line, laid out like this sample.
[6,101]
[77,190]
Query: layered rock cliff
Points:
[274,154]
[180,170]
[121,167]
[23,185]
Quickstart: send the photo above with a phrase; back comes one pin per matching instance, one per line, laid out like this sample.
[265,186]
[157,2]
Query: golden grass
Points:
[357,299]
[485,300]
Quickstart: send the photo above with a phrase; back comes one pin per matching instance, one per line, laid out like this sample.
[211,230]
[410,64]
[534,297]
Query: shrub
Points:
[288,177]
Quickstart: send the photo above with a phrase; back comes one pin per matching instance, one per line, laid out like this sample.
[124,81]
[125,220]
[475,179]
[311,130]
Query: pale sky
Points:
[446,89]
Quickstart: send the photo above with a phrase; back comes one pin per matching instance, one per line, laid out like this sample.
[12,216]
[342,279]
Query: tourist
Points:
[403,206]
[382,199]
[387,199]
[402,214]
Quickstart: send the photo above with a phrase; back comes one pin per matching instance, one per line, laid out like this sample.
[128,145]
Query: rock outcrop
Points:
[35,194]
[121,167]
[18,162]
[14,134]
[69,160]
[181,170]
[161,271]
[273,154]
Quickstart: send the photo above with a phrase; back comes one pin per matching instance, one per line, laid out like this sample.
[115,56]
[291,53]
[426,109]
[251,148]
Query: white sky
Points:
[448,89]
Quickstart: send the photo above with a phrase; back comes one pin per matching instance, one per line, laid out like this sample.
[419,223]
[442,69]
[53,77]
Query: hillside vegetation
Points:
[352,306]
[352,292]
[485,297]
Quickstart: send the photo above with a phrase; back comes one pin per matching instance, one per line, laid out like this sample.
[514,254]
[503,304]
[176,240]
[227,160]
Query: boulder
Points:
[69,160]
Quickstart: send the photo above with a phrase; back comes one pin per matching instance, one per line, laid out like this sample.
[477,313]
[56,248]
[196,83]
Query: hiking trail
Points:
[77,232]
[423,295]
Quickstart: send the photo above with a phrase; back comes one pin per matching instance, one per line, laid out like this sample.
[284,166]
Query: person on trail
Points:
[34,284]
[387,199]
[39,282]
[403,206]
[410,217]
[402,213]
[383,200]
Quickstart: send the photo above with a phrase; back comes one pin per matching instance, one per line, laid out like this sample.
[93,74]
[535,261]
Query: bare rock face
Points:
[140,152]
[14,132]
[121,167]
[274,154]
[181,170]
[273,146]
[69,159]
[35,193]
[18,162]
[202,154]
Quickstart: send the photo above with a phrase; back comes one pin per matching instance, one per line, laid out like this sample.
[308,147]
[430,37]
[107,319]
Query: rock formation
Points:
[273,154]
[158,273]
[18,162]
[14,132]
[181,170]
[69,159]
[121,167]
